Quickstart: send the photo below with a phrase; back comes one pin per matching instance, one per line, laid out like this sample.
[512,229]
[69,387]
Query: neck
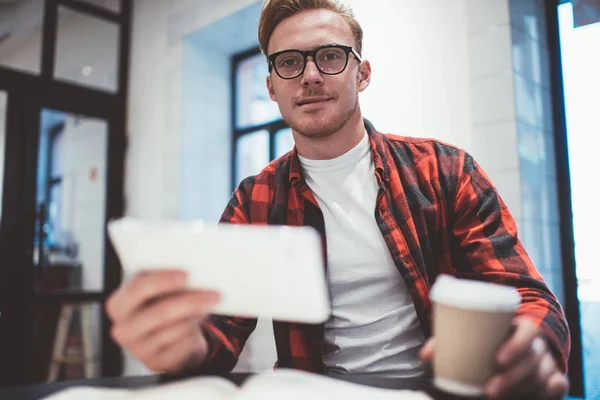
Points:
[334,145]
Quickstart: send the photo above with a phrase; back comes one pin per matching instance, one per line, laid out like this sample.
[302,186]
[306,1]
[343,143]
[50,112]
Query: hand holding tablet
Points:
[271,271]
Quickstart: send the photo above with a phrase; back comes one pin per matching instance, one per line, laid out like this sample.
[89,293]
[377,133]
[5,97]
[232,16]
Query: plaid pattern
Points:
[438,213]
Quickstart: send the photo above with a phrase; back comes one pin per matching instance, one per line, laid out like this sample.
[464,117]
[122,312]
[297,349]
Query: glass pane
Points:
[71,198]
[21,35]
[252,154]
[87,50]
[3,105]
[112,5]
[254,106]
[580,61]
[284,142]
[56,163]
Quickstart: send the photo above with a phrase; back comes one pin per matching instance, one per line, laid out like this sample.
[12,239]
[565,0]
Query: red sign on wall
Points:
[93,174]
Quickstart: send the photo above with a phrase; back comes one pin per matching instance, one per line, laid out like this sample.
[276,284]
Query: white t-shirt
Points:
[374,326]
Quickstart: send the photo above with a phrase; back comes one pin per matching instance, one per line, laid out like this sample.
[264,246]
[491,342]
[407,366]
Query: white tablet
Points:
[269,271]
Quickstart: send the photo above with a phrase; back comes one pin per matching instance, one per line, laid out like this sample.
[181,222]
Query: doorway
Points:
[63,74]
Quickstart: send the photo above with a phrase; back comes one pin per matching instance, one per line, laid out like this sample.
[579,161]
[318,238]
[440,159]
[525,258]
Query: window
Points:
[95,65]
[260,135]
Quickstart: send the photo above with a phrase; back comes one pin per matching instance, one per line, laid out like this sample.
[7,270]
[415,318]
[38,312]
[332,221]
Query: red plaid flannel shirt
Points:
[438,213]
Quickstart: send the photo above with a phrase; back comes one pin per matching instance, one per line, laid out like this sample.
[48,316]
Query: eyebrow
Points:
[312,48]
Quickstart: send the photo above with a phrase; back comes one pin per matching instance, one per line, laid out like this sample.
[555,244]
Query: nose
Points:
[312,75]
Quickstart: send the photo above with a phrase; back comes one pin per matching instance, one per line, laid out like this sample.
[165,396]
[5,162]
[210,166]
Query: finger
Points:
[557,386]
[176,357]
[518,344]
[159,341]
[546,370]
[163,313]
[143,288]
[524,369]
[426,353]
[537,383]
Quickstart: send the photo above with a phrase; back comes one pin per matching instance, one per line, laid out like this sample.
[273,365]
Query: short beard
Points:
[325,130]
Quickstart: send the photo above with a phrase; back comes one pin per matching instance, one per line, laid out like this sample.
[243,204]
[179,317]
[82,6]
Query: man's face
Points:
[315,104]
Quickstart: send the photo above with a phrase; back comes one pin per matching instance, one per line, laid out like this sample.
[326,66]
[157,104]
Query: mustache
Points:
[313,92]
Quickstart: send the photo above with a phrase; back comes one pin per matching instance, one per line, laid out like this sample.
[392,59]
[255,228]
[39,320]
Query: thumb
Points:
[426,353]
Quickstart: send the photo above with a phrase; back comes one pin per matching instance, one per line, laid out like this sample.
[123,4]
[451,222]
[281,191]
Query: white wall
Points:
[418,54]
[205,133]
[83,166]
[152,182]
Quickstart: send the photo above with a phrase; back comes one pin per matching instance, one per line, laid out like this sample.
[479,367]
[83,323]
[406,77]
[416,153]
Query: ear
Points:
[364,75]
[270,88]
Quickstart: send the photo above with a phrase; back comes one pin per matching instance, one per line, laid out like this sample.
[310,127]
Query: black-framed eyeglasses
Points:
[331,59]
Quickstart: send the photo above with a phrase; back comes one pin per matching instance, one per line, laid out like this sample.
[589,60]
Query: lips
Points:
[313,100]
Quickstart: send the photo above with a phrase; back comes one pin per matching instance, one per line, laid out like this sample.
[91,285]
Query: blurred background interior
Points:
[157,109]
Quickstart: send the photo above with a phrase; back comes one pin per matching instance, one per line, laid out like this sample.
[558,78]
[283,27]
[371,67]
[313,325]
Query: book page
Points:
[294,384]
[214,388]
[208,387]
[90,393]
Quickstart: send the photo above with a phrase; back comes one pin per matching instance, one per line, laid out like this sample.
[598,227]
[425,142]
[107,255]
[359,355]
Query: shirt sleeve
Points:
[486,246]
[226,335]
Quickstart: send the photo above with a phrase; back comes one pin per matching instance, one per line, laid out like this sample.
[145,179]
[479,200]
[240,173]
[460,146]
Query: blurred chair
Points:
[60,356]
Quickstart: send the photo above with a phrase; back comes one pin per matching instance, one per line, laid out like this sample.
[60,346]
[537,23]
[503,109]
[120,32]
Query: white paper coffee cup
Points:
[471,320]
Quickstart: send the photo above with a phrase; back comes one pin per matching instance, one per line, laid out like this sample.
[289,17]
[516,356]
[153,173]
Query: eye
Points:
[287,62]
[330,56]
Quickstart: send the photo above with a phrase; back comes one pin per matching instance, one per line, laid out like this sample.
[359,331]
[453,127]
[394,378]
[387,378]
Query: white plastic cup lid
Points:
[474,295]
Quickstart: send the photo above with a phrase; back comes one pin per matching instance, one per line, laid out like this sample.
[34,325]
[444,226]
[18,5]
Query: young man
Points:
[397,212]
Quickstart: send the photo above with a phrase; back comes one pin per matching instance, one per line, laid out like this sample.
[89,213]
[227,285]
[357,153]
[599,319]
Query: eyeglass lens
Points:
[329,60]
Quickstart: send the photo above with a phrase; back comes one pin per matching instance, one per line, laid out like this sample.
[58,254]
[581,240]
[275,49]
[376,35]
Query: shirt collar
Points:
[378,149]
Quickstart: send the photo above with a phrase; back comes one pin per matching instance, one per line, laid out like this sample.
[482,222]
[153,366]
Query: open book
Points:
[275,385]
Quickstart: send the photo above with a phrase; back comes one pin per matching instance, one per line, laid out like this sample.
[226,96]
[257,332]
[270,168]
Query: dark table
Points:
[38,391]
